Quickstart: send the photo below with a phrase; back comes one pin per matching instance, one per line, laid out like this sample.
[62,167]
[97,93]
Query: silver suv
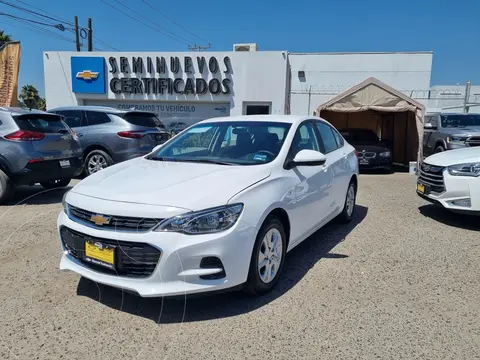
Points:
[36,147]
[450,131]
[110,135]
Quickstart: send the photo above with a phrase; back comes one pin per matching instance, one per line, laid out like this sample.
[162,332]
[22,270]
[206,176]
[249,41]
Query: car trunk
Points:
[51,137]
[148,125]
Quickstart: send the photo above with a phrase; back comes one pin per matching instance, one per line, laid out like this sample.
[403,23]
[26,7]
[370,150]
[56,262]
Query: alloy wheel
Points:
[270,255]
[96,163]
[350,200]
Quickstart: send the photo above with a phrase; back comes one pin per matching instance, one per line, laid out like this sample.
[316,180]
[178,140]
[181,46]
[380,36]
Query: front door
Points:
[311,192]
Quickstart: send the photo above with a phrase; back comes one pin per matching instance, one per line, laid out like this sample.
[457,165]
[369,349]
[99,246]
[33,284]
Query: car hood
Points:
[373,148]
[192,186]
[452,157]
[471,130]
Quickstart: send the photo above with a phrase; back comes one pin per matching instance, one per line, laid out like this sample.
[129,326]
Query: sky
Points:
[449,28]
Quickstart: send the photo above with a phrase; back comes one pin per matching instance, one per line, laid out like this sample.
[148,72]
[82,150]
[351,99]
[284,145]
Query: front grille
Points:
[473,141]
[432,176]
[366,155]
[132,259]
[117,223]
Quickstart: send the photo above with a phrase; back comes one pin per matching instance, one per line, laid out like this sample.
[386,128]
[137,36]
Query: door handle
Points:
[80,134]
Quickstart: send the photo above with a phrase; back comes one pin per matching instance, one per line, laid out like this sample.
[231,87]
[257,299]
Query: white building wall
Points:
[255,77]
[329,74]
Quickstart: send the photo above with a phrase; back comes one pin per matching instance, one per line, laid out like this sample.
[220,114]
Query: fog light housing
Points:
[461,202]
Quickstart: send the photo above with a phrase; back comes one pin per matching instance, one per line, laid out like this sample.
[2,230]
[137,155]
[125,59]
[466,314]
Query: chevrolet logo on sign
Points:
[87,75]
[100,220]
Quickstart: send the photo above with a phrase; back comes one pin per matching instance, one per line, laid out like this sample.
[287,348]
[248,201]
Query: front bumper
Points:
[178,271]
[457,188]
[48,170]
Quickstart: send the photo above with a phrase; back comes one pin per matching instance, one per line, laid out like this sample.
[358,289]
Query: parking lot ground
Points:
[400,282]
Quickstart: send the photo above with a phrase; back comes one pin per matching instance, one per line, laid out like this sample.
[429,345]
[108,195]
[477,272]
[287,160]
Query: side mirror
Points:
[307,158]
[429,126]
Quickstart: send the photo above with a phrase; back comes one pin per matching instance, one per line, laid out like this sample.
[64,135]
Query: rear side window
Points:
[97,118]
[339,138]
[328,138]
[73,118]
[143,119]
[47,124]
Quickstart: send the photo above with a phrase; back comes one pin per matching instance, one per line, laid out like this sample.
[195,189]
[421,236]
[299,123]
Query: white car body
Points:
[307,197]
[459,192]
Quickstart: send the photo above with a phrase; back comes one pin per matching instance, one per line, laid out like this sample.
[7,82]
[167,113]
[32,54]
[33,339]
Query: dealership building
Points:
[187,87]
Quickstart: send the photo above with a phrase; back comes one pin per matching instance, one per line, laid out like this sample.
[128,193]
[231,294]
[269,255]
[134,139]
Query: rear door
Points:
[58,141]
[337,163]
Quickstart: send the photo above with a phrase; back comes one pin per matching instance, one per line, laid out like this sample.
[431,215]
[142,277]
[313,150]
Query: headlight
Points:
[64,202]
[457,139]
[471,169]
[385,154]
[203,222]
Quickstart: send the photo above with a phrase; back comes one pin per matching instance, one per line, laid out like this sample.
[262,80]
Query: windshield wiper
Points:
[157,158]
[206,161]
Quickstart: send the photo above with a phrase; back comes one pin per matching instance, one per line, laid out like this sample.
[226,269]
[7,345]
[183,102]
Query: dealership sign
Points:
[164,75]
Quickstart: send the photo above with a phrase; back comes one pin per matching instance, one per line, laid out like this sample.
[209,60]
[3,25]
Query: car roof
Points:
[108,109]
[22,111]
[288,119]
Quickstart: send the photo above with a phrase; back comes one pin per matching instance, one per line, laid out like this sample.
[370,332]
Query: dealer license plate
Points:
[363,162]
[99,254]
[421,188]
[65,163]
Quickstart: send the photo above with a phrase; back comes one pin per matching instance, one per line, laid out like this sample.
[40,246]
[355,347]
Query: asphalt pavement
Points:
[400,282]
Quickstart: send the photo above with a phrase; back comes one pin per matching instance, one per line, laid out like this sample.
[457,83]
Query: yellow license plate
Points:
[421,188]
[103,255]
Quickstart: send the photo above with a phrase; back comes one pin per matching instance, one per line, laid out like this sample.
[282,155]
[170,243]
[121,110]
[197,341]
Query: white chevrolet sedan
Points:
[452,179]
[216,207]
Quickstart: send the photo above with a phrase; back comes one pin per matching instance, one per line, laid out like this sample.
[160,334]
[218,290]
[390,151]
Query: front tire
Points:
[6,187]
[268,257]
[349,207]
[55,184]
[97,160]
[439,149]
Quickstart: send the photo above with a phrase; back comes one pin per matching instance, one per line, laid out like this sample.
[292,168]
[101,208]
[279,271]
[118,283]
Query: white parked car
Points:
[216,207]
[452,179]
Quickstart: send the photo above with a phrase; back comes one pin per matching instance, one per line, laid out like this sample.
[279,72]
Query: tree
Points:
[30,97]
[4,38]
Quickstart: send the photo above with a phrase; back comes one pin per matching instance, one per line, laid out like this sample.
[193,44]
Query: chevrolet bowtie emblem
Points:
[100,219]
[87,75]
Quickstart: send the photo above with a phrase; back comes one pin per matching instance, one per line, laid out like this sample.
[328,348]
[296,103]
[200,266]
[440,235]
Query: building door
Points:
[256,108]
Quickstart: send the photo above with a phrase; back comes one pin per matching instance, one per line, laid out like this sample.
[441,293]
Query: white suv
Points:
[452,179]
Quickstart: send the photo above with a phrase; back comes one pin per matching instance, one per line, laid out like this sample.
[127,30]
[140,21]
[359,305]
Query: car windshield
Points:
[460,120]
[47,124]
[360,136]
[226,143]
[143,119]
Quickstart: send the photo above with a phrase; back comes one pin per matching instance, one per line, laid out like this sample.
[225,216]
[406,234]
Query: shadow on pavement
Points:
[440,214]
[37,195]
[298,262]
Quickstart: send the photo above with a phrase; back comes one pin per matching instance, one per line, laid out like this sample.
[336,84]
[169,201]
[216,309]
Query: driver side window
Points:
[304,139]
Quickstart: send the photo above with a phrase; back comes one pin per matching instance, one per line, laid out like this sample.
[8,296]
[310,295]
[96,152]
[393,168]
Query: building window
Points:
[255,108]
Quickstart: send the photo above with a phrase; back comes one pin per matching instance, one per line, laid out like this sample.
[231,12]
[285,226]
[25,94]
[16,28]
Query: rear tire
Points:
[97,160]
[349,207]
[268,257]
[55,184]
[6,187]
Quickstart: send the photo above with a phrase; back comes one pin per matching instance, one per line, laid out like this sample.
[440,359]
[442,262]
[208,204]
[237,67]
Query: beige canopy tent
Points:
[396,118]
